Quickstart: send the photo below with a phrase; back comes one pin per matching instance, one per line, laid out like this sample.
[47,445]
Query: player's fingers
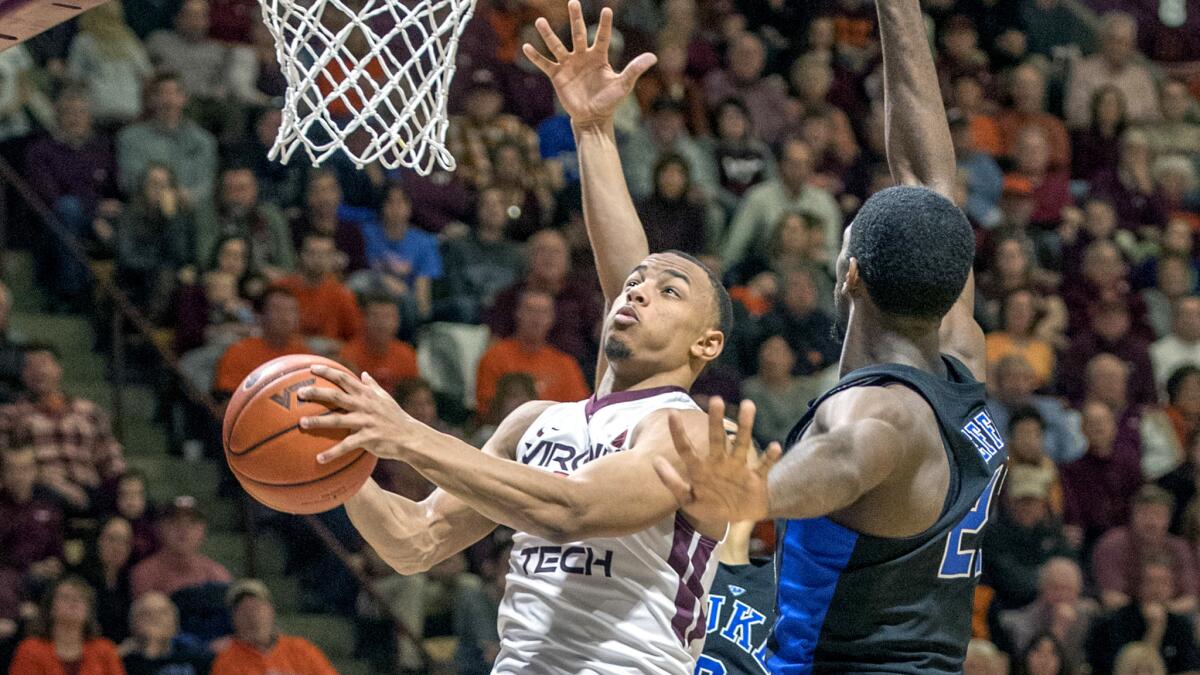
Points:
[603,32]
[333,421]
[637,67]
[683,442]
[348,444]
[334,398]
[541,62]
[341,378]
[743,444]
[674,482]
[556,47]
[717,438]
[373,386]
[578,27]
[770,457]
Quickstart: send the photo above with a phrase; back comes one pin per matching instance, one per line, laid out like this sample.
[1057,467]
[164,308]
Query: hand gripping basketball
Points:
[376,422]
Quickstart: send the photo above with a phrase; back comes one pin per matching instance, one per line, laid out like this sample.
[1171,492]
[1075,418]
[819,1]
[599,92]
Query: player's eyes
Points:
[671,291]
[631,283]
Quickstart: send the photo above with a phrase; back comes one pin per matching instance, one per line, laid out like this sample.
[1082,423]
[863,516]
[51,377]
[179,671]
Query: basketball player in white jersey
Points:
[606,575]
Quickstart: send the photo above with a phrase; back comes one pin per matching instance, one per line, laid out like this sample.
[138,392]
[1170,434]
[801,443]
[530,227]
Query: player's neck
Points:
[877,344]
[615,381]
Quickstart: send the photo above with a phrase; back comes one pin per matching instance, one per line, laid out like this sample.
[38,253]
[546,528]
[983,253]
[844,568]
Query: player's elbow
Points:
[558,523]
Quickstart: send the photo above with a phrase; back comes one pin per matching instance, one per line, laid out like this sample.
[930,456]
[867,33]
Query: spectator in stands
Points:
[1130,186]
[73,170]
[1118,557]
[1110,333]
[576,308]
[1060,610]
[473,136]
[404,259]
[377,351]
[132,505]
[1183,396]
[322,215]
[258,648]
[327,307]
[169,138]
[1182,346]
[77,453]
[1050,184]
[672,80]
[1022,539]
[1096,149]
[109,61]
[280,323]
[1017,335]
[983,176]
[31,524]
[12,350]
[671,219]
[960,54]
[1179,131]
[179,564]
[558,376]
[1098,487]
[154,241]
[201,61]
[1025,437]
[780,397]
[1102,278]
[479,266]
[798,245]
[1175,279]
[512,391]
[1014,384]
[281,185]
[812,78]
[156,648]
[474,618]
[105,567]
[743,160]
[1139,658]
[743,77]
[983,658]
[808,329]
[1027,88]
[212,312]
[527,197]
[1044,656]
[1148,619]
[239,212]
[664,132]
[753,224]
[1115,64]
[68,641]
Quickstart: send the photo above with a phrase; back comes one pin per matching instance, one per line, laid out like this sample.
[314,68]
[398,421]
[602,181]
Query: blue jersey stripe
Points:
[812,556]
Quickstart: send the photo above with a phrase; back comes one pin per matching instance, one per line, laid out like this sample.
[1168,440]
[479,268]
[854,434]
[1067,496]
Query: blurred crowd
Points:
[144,127]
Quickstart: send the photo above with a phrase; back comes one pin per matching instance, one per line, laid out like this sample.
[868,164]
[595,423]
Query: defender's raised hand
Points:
[588,87]
[729,481]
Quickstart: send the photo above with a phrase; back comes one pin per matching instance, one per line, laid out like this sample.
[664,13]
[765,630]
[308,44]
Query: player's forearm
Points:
[919,148]
[507,492]
[400,530]
[613,226]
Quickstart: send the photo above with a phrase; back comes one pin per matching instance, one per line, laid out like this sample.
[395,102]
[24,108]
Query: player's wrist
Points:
[583,125]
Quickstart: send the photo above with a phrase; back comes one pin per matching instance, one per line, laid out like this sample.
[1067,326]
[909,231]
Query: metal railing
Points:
[124,313]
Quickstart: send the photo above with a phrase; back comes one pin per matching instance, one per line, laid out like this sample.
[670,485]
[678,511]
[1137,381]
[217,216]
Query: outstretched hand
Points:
[375,420]
[729,482]
[588,88]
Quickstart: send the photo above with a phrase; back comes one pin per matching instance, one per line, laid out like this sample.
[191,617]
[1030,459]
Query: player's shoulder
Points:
[897,405]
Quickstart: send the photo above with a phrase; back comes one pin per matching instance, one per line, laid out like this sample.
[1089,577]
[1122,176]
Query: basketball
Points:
[272,457]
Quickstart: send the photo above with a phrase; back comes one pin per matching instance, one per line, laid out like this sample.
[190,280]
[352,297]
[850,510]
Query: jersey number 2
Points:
[962,558]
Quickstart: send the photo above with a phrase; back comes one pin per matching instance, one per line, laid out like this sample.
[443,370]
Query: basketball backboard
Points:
[23,19]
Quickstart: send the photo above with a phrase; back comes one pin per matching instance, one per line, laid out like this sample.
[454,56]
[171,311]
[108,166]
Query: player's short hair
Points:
[915,249]
[724,305]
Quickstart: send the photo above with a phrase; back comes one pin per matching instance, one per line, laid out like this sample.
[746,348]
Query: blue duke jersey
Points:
[854,603]
[741,611]
[632,604]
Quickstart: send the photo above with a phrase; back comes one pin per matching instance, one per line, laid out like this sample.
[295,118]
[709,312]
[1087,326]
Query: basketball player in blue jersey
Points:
[891,476]
[607,574]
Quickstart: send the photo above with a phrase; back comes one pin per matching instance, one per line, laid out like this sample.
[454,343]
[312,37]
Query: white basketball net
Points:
[367,77]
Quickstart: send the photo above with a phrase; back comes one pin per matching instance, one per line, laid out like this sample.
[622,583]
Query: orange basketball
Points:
[273,458]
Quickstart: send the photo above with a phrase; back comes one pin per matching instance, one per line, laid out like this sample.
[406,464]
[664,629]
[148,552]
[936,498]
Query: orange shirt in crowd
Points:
[289,655]
[388,368]
[327,309]
[557,375]
[36,656]
[244,356]
[986,136]
[1038,353]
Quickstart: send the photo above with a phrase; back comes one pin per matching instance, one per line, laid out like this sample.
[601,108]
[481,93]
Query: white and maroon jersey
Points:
[632,604]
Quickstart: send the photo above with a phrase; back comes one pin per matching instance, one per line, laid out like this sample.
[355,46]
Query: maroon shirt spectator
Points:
[670,218]
[1097,148]
[179,564]
[1098,487]
[438,199]
[1130,186]
[1119,555]
[72,161]
[1051,186]
[960,54]
[670,80]
[1103,279]
[1027,85]
[323,199]
[30,524]
[1156,39]
[232,20]
[743,77]
[131,504]
[577,308]
[1109,332]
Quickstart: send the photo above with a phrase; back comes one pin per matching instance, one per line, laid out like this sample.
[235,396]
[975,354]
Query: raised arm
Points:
[919,149]
[591,91]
